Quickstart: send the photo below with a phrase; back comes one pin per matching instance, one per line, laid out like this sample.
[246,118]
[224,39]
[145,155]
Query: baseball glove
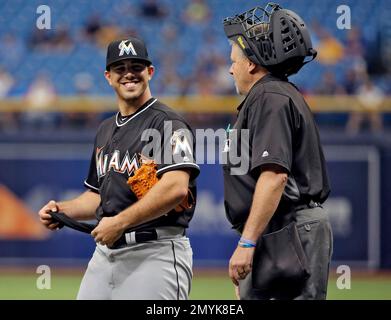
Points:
[145,178]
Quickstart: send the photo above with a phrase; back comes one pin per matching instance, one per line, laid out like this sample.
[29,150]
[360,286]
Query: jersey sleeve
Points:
[92,182]
[177,148]
[271,132]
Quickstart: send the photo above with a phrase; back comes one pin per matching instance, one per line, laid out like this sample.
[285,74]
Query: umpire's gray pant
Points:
[154,270]
[316,238]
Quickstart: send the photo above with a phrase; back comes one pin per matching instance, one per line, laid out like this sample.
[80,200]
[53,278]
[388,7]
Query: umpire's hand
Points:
[45,217]
[240,264]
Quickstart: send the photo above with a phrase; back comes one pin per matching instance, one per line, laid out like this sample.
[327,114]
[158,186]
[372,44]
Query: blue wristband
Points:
[245,245]
[244,240]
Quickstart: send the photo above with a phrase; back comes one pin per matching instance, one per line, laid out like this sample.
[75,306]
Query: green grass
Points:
[371,288]
[23,286]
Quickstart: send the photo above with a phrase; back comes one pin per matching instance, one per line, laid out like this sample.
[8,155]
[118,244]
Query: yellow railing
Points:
[196,104]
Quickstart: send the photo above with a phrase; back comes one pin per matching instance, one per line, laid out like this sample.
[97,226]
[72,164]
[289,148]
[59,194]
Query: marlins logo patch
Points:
[181,145]
[126,48]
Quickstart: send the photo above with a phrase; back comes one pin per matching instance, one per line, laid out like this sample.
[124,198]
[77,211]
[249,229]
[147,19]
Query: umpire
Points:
[286,243]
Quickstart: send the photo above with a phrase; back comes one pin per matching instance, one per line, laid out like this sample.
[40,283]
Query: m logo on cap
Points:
[126,48]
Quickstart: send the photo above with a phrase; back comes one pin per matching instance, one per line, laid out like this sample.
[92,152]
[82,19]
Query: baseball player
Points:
[154,258]
[285,246]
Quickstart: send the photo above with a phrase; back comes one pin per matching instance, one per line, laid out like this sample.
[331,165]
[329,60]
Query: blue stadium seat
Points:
[19,17]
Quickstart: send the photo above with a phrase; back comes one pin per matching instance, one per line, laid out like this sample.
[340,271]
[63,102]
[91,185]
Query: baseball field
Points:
[207,285]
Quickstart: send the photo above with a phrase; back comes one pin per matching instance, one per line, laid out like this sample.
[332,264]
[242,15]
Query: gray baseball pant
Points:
[154,270]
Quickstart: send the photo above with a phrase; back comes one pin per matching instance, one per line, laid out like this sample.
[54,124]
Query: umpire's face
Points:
[241,68]
[130,79]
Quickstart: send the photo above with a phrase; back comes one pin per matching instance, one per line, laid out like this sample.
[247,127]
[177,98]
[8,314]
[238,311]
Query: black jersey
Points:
[156,132]
[281,131]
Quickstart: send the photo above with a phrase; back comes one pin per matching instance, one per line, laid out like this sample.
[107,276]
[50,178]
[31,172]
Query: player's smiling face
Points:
[129,79]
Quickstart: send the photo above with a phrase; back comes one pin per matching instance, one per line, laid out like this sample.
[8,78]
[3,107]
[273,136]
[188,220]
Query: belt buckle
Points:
[132,237]
[313,204]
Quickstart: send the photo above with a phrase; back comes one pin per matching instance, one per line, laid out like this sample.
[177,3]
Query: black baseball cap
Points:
[129,48]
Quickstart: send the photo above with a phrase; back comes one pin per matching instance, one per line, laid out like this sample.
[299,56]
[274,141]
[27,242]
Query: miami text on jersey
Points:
[105,164]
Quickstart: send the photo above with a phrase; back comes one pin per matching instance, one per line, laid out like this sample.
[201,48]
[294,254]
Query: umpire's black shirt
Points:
[118,144]
[281,131]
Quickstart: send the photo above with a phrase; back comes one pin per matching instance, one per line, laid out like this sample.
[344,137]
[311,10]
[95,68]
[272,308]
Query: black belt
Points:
[140,236]
[309,205]
[63,220]
[290,206]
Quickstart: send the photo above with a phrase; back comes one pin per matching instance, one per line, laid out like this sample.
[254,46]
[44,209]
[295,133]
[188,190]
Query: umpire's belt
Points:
[140,236]
[286,207]
[308,205]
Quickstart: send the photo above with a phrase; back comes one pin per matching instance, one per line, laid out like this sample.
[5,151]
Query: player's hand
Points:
[108,231]
[240,264]
[46,218]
